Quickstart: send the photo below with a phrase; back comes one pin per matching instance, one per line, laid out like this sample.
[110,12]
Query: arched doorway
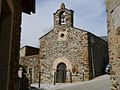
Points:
[61,73]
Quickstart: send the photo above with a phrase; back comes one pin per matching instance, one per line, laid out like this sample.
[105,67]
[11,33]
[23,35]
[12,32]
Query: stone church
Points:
[66,53]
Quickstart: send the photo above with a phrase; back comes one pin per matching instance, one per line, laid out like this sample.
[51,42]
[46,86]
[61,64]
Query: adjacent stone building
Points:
[30,58]
[67,54]
[113,20]
[10,29]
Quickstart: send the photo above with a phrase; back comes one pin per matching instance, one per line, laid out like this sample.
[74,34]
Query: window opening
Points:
[63,18]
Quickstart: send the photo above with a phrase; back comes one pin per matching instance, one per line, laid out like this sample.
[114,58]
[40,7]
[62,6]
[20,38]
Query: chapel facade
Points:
[66,53]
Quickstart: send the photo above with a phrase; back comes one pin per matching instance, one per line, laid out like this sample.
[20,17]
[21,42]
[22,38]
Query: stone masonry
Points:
[113,20]
[33,66]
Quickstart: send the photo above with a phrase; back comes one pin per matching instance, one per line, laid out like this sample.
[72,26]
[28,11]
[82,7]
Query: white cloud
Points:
[88,14]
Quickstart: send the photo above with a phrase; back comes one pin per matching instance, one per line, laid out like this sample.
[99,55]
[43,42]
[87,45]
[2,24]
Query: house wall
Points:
[113,20]
[10,29]
[6,21]
[31,63]
[15,45]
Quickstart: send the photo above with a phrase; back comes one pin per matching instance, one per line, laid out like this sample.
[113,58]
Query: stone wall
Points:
[31,63]
[113,13]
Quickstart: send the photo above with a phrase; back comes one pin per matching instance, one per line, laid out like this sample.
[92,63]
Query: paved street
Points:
[100,83]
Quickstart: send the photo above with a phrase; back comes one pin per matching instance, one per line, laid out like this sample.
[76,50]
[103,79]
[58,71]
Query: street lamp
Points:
[92,41]
[20,76]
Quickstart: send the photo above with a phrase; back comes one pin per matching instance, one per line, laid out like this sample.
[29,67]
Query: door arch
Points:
[61,73]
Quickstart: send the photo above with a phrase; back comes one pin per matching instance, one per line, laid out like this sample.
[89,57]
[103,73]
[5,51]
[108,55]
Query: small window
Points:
[62,35]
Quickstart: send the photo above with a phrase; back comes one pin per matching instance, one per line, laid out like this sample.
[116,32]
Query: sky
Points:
[89,15]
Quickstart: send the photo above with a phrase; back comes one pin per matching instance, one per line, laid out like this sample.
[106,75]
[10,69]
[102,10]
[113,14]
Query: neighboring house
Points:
[29,56]
[67,53]
[113,20]
[10,29]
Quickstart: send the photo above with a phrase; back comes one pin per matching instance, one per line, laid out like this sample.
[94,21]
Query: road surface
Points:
[99,83]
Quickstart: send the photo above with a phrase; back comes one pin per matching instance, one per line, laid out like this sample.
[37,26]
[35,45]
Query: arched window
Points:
[63,18]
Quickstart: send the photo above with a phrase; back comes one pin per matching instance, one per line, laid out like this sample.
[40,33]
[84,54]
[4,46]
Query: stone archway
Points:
[61,73]
[63,64]
[62,60]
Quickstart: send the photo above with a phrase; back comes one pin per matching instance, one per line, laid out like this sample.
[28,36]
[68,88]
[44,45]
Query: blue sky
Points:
[89,15]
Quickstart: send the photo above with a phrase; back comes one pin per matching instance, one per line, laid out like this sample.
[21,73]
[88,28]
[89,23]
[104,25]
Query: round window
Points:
[62,35]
